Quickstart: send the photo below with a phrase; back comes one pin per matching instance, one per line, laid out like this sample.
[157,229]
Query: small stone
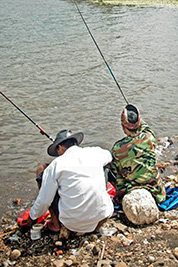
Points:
[68,262]
[145,241]
[73,258]
[17,201]
[153,237]
[88,247]
[58,243]
[163,220]
[6,220]
[64,233]
[165,226]
[174,224]
[121,227]
[58,263]
[151,259]
[94,237]
[105,263]
[74,252]
[95,250]
[121,264]
[168,251]
[116,239]
[107,232]
[85,243]
[15,254]
[125,241]
[175,252]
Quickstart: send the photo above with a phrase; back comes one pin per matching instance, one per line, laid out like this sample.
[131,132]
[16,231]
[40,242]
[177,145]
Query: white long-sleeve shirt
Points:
[79,178]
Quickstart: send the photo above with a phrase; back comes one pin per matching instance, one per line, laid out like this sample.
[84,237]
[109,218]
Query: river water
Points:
[52,70]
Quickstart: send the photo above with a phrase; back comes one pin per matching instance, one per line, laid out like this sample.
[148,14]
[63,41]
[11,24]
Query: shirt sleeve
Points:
[47,192]
[104,155]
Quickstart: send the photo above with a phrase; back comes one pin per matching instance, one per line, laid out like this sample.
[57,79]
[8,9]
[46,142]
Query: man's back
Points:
[82,189]
[134,162]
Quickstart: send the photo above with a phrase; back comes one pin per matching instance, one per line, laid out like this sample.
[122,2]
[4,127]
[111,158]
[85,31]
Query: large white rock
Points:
[140,207]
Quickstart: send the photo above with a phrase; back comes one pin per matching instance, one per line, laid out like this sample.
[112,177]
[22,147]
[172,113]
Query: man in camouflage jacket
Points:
[134,159]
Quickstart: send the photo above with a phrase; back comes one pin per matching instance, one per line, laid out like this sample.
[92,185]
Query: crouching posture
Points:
[134,162]
[73,185]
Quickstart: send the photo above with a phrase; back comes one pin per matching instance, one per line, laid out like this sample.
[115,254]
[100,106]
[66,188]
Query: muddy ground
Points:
[119,243]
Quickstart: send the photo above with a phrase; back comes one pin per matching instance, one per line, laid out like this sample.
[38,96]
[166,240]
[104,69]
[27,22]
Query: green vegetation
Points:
[142,3]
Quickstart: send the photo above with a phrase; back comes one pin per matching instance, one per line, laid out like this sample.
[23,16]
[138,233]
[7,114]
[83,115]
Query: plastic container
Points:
[35,234]
[37,226]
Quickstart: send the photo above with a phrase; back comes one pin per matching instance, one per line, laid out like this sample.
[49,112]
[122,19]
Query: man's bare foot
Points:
[52,226]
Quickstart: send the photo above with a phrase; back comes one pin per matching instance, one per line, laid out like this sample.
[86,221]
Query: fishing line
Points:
[41,129]
[107,65]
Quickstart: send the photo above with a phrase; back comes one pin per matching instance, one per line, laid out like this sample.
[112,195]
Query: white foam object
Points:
[140,207]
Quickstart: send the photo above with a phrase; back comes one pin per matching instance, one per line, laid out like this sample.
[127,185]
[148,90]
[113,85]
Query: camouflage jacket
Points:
[134,164]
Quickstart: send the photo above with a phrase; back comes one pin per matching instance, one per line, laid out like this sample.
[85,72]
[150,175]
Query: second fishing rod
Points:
[106,63]
[42,131]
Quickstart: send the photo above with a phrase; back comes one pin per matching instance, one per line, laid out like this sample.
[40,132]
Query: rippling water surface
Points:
[52,70]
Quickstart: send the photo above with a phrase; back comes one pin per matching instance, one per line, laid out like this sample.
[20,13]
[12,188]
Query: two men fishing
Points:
[73,185]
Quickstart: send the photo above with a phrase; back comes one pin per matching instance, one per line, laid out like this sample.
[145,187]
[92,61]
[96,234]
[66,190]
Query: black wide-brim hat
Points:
[63,136]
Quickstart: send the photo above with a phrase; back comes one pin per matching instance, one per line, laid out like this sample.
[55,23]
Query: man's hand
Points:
[27,224]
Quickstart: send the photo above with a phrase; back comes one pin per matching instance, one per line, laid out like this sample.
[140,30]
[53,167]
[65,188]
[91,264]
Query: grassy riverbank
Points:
[142,3]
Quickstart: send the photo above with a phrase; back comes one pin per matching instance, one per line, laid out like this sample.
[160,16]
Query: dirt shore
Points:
[119,243]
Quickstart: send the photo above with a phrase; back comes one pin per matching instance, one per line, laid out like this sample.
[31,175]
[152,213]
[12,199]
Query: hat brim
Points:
[52,151]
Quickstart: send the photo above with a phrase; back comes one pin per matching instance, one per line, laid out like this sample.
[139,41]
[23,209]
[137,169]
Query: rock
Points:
[174,224]
[94,237]
[64,233]
[58,243]
[15,254]
[121,227]
[17,201]
[84,242]
[58,263]
[115,239]
[140,207]
[95,250]
[125,241]
[163,220]
[175,252]
[6,220]
[107,232]
[73,258]
[151,259]
[68,262]
[105,263]
[88,247]
[166,226]
[121,264]
[5,264]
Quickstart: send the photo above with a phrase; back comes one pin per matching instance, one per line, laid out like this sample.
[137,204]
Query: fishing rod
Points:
[41,129]
[107,65]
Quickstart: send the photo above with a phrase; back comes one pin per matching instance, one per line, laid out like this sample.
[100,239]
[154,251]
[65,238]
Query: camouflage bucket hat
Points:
[130,117]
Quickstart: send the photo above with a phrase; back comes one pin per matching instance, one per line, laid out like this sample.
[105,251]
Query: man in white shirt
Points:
[77,175]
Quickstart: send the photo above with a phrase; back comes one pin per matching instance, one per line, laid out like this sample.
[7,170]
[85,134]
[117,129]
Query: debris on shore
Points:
[119,243]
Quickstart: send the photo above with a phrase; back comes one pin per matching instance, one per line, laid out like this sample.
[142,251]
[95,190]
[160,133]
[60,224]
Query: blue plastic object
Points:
[171,201]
